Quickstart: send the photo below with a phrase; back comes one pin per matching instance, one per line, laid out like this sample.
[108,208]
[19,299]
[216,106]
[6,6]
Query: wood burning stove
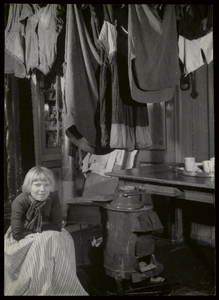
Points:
[128,246]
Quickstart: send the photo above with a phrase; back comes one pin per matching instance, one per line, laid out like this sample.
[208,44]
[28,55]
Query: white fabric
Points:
[190,52]
[41,264]
[116,157]
[108,36]
[100,164]
[130,159]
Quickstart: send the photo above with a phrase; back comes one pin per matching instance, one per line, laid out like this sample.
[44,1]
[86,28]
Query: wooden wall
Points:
[195,123]
[189,131]
[195,118]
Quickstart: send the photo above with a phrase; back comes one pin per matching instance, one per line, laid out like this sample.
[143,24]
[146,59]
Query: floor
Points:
[189,268]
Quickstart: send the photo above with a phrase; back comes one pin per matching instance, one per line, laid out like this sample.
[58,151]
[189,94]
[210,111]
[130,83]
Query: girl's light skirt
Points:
[41,264]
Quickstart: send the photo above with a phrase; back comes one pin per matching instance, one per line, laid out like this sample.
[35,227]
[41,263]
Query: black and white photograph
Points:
[109,150]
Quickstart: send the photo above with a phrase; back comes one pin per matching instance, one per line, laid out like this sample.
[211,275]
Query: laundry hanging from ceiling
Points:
[195,36]
[124,123]
[191,52]
[81,91]
[31,37]
[153,54]
[15,41]
[101,115]
[118,58]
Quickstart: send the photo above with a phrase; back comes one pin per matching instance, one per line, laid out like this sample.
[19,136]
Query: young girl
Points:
[39,253]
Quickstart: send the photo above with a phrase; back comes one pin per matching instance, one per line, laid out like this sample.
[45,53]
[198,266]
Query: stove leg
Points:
[119,287]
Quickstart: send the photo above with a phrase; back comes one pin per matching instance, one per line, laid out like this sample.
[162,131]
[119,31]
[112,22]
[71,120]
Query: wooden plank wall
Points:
[195,118]
[194,136]
[189,132]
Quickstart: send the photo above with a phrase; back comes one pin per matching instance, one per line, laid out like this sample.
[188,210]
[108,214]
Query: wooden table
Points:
[160,179]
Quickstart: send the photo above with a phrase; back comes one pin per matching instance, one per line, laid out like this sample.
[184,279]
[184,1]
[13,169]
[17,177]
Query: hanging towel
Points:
[190,52]
[153,54]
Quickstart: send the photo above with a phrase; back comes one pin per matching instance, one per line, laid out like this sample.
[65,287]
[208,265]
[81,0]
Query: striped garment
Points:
[41,264]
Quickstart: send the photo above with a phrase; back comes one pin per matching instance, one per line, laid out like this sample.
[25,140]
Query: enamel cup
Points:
[212,159]
[208,166]
[189,163]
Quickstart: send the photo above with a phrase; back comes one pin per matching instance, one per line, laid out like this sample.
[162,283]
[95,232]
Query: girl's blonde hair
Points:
[35,174]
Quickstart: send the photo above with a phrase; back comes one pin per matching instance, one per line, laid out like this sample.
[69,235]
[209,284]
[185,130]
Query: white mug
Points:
[189,163]
[212,159]
[208,166]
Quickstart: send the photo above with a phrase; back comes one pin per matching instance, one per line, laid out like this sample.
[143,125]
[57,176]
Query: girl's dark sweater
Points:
[51,215]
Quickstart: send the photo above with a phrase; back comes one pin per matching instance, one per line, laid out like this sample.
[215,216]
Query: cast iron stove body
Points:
[128,246]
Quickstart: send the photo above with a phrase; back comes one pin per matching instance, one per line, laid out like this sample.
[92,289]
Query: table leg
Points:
[179,224]
[81,243]
[176,221]
[172,220]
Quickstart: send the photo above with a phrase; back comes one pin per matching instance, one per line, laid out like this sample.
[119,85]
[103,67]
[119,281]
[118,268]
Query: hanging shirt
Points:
[190,52]
[14,38]
[153,54]
[42,31]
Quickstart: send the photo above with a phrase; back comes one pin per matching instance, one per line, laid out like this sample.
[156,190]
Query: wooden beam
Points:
[198,196]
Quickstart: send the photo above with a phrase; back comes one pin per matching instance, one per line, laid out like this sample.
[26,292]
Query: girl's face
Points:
[40,190]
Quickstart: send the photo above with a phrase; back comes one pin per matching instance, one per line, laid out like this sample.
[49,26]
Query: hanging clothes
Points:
[96,22]
[190,52]
[153,54]
[137,112]
[117,109]
[194,21]
[42,31]
[31,36]
[81,123]
[108,83]
[14,39]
